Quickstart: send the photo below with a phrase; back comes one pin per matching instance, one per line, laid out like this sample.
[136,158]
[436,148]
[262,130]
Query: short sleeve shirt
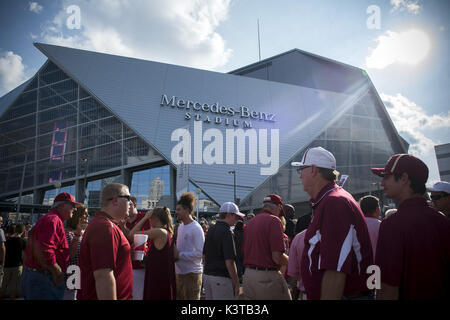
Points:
[337,239]
[104,246]
[262,236]
[294,264]
[49,237]
[219,246]
[413,251]
[14,249]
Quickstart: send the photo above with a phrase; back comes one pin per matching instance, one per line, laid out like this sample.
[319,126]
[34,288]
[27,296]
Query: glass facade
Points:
[50,194]
[205,204]
[56,137]
[55,133]
[152,187]
[359,141]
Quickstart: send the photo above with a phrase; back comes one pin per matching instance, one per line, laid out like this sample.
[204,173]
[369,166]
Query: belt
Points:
[263,269]
[44,271]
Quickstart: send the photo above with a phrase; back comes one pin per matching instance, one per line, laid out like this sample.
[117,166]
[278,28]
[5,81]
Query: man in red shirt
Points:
[337,244]
[105,262]
[264,253]
[413,248]
[47,252]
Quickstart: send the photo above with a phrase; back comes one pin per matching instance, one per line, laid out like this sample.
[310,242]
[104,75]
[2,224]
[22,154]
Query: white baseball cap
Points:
[231,207]
[441,186]
[317,156]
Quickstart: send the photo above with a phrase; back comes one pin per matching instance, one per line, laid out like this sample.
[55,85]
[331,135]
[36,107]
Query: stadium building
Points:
[86,119]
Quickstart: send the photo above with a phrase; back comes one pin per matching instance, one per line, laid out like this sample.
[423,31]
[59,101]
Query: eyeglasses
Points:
[128,197]
[299,169]
[438,196]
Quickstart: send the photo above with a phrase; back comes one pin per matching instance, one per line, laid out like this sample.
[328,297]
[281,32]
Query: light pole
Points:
[233,172]
[197,190]
[21,186]
[85,161]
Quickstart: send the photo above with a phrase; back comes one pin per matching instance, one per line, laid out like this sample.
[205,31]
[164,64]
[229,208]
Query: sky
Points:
[403,45]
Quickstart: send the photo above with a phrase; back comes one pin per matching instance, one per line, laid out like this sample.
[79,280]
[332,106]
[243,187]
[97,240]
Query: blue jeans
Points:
[40,286]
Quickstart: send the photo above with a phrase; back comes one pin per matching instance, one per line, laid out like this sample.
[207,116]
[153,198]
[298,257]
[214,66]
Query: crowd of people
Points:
[266,256]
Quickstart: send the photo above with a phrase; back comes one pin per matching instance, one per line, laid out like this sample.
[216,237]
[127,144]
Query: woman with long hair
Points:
[159,283]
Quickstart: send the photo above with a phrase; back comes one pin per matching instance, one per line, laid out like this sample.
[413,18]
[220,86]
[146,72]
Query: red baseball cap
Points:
[275,199]
[66,197]
[404,163]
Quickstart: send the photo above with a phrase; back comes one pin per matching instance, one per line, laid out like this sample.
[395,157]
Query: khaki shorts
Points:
[218,288]
[12,280]
[265,285]
[189,286]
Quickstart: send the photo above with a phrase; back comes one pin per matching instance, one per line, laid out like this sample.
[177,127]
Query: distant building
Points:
[443,159]
[156,192]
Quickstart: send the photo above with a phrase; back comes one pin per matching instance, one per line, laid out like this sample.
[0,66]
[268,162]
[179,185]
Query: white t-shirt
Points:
[373,225]
[190,241]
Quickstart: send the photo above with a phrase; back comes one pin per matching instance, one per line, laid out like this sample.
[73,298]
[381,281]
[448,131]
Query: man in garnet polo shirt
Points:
[264,253]
[413,248]
[47,252]
[337,248]
[105,261]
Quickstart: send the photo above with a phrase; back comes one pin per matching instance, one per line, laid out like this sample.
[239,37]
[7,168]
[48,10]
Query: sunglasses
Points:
[128,197]
[299,169]
[438,196]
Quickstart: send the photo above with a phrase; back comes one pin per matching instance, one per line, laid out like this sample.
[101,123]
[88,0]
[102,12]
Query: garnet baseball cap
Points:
[317,156]
[275,199]
[440,186]
[66,197]
[404,163]
[231,207]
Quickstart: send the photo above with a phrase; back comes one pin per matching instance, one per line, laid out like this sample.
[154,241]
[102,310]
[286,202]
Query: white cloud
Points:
[411,122]
[34,7]
[408,47]
[12,71]
[408,116]
[178,32]
[402,5]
